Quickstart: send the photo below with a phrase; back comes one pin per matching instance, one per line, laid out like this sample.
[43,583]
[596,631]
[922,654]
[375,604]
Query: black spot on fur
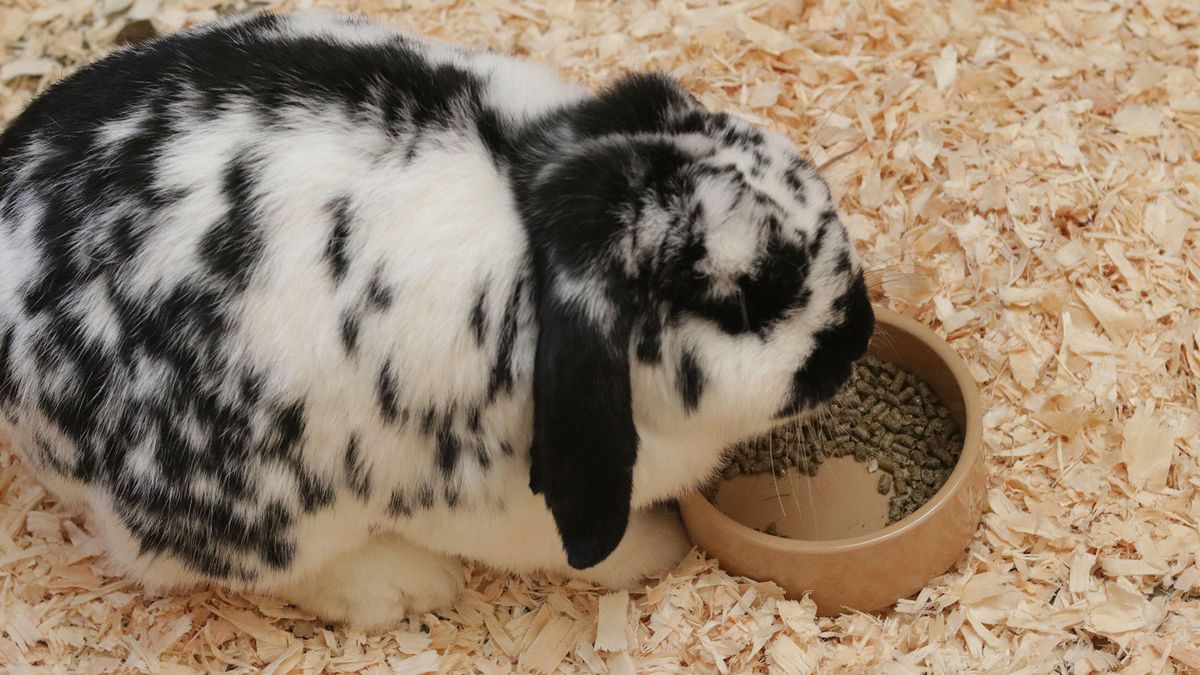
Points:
[386,392]
[496,137]
[482,456]
[792,178]
[314,493]
[251,388]
[349,332]
[696,121]
[843,262]
[126,238]
[501,378]
[744,138]
[398,505]
[689,380]
[649,344]
[357,476]
[818,240]
[289,425]
[473,424]
[379,296]
[448,448]
[760,163]
[425,497]
[275,551]
[232,247]
[638,103]
[479,317]
[427,419]
[335,249]
[8,383]
[706,169]
[767,201]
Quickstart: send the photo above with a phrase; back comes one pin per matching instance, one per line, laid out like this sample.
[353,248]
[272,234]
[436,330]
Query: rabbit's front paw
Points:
[378,586]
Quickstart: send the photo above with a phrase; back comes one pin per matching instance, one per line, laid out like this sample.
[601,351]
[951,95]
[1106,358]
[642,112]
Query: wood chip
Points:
[1138,120]
[27,68]
[549,648]
[612,622]
[1148,449]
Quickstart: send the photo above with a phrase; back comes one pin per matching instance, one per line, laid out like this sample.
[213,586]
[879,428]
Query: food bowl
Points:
[840,551]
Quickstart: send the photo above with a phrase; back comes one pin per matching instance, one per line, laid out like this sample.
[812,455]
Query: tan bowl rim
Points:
[972,438]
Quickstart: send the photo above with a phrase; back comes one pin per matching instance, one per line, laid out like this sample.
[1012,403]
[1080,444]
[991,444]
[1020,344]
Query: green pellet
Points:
[885,484]
[944,456]
[885,414]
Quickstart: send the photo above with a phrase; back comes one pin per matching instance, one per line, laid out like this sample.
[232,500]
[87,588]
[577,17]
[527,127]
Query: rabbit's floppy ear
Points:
[585,443]
[583,209]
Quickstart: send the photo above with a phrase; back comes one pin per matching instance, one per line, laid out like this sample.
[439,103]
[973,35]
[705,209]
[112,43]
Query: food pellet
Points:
[885,484]
[885,416]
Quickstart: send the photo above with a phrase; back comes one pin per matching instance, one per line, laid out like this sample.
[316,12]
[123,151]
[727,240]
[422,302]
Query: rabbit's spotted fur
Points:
[312,307]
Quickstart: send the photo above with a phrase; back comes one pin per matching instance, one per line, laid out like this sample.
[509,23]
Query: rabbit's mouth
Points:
[830,365]
[814,384]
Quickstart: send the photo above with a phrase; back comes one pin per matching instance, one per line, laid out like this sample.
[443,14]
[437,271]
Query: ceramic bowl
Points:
[838,548]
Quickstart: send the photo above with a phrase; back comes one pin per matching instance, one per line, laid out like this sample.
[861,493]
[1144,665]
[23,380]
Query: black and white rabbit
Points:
[309,306]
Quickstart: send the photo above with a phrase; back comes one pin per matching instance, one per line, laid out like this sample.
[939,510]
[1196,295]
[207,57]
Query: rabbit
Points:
[308,306]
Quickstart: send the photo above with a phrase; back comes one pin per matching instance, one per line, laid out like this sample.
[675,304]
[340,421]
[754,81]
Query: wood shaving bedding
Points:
[1023,176]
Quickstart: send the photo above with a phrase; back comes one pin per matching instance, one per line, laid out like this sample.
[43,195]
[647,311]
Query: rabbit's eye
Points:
[763,296]
[778,287]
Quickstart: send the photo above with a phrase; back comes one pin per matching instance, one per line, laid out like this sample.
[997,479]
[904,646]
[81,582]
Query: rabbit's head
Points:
[694,283]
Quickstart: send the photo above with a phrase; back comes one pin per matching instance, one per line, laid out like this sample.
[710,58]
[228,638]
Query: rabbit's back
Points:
[254,271]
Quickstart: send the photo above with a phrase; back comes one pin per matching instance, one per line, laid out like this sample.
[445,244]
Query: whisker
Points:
[877,263]
[774,478]
[885,338]
[831,422]
[828,116]
[893,271]
[792,479]
[810,484]
[902,266]
[876,277]
[840,155]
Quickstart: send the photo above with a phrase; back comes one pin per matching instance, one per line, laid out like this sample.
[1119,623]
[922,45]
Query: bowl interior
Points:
[841,501]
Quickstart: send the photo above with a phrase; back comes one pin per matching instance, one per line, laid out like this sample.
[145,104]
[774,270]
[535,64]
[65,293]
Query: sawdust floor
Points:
[1024,176]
